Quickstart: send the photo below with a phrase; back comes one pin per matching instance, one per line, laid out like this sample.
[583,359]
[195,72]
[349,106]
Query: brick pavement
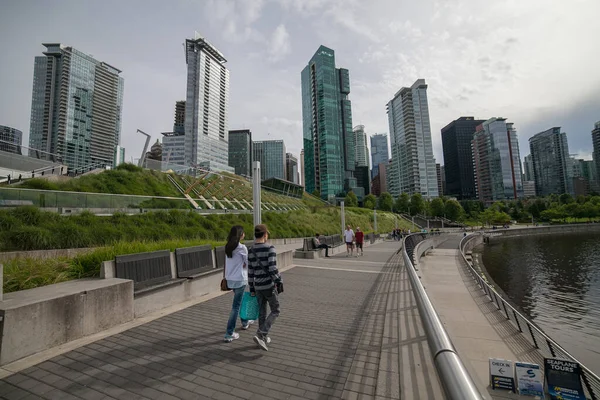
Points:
[341,334]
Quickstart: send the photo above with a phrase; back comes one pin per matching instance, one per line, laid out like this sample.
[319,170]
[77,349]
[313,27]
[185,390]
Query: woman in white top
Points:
[236,273]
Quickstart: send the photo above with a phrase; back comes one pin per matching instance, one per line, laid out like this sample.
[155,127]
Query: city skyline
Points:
[273,36]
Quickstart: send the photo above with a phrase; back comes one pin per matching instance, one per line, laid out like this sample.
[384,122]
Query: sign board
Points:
[530,380]
[563,379]
[502,375]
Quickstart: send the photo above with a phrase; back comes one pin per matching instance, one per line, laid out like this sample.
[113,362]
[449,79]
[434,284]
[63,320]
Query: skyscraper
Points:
[271,154]
[179,125]
[379,152]
[329,149]
[206,106]
[528,168]
[596,154]
[413,164]
[438,170]
[458,159]
[361,149]
[11,139]
[496,161]
[76,107]
[174,142]
[551,163]
[240,151]
[291,167]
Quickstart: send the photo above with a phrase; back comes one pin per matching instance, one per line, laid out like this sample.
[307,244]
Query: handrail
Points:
[455,379]
[539,339]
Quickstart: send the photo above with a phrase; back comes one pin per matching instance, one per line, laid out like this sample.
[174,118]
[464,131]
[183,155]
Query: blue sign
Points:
[563,379]
[530,380]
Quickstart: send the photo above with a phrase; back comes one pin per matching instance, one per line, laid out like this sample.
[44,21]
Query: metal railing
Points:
[455,379]
[546,345]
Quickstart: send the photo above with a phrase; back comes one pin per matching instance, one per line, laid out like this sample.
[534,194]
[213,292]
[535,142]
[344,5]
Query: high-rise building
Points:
[413,164]
[379,152]
[291,167]
[361,149]
[528,189]
[596,154]
[206,106]
[584,176]
[179,125]
[551,162]
[240,151]
[301,172]
[528,168]
[271,154]
[363,182]
[438,170]
[329,149]
[11,139]
[443,178]
[76,107]
[496,161]
[458,159]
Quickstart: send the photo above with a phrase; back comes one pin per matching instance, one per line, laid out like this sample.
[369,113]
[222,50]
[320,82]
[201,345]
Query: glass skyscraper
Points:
[271,154]
[496,161]
[76,107]
[11,139]
[206,106]
[379,152]
[528,168]
[329,148]
[551,162]
[413,165]
[360,142]
[291,166]
[240,151]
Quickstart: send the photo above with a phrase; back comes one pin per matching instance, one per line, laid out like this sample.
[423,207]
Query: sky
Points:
[534,62]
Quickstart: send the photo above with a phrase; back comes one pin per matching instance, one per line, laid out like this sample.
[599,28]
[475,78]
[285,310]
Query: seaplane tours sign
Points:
[563,379]
[502,375]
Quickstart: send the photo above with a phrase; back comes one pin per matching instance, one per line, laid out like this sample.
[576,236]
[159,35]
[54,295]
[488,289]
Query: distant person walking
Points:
[349,238]
[265,283]
[320,245]
[236,273]
[8,179]
[360,237]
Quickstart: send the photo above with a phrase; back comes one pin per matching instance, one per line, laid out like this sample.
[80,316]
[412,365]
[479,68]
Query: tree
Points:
[437,207]
[453,210]
[370,201]
[416,204]
[403,203]
[493,216]
[566,198]
[386,202]
[316,193]
[350,200]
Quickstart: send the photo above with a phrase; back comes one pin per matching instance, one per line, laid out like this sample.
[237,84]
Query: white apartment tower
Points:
[207,101]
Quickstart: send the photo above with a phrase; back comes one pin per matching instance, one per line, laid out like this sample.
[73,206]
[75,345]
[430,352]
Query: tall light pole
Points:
[375,220]
[256,192]
[343,214]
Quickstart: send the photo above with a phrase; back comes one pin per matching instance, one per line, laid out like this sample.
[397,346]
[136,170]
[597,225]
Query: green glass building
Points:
[329,150]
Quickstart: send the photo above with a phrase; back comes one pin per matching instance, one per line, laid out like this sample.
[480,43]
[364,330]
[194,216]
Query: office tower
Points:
[443,179]
[458,159]
[11,139]
[76,107]
[596,154]
[379,152]
[528,168]
[438,170]
[528,189]
[179,125]
[301,172]
[240,151]
[380,182]
[291,167]
[329,149]
[413,164]
[206,106]
[363,182]
[361,149]
[496,161]
[584,176]
[271,154]
[551,162]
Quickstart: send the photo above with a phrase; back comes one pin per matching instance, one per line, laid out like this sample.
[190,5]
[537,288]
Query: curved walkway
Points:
[349,329]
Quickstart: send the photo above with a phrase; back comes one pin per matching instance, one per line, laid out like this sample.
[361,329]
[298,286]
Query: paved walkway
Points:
[349,329]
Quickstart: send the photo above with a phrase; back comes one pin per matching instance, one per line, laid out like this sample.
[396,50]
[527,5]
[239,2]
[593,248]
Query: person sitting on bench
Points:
[319,245]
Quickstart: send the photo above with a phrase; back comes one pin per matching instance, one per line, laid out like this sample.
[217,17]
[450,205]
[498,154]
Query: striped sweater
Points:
[258,277]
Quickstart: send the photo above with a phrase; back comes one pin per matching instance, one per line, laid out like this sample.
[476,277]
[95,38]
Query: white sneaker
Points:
[250,322]
[231,338]
[268,340]
[261,343]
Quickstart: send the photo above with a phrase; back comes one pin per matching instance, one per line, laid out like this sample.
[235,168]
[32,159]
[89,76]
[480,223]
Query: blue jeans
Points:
[235,309]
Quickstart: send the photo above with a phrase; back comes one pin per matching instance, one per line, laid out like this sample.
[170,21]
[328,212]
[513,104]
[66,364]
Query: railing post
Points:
[549,343]
[533,337]
[517,321]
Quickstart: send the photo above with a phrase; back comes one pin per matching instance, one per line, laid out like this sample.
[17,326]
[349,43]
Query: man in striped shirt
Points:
[265,283]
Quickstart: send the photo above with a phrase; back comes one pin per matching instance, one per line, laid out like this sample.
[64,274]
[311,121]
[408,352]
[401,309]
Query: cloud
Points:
[280,45]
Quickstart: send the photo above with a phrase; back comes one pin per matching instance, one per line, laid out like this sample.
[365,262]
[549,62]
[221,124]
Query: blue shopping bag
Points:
[249,308]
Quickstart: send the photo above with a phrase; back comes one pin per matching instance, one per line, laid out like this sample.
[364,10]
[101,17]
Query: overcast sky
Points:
[535,62]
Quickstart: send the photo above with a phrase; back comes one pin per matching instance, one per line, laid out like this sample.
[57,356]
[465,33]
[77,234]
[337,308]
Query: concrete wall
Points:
[45,317]
[44,254]
[424,246]
[543,230]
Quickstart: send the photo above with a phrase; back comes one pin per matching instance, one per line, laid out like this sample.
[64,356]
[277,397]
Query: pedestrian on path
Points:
[360,238]
[265,283]
[349,238]
[319,245]
[236,273]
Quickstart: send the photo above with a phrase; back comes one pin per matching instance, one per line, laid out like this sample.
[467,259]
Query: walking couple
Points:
[259,271]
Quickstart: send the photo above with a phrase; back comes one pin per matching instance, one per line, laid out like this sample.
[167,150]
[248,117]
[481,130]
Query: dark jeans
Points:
[326,247]
[266,322]
[235,310]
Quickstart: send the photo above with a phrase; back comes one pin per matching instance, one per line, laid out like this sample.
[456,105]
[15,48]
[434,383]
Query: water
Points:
[555,280]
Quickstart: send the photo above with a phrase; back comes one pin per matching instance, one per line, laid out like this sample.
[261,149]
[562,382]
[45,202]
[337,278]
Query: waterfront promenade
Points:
[349,329]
